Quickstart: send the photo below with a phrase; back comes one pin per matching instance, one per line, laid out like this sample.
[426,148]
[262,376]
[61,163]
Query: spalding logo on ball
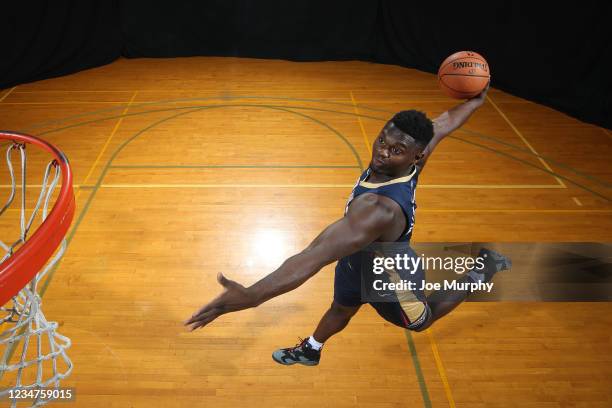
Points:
[464,75]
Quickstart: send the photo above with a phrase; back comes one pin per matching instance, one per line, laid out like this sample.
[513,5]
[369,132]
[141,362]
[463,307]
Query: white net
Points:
[32,353]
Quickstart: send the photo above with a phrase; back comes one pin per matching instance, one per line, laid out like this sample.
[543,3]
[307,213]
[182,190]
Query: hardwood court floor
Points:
[188,167]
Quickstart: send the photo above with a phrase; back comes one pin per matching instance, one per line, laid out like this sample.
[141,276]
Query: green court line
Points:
[322,101]
[225,97]
[202,107]
[414,355]
[78,124]
[417,369]
[118,150]
[283,107]
[539,156]
[534,166]
[95,189]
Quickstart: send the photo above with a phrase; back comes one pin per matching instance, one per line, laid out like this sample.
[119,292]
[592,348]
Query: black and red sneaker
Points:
[302,353]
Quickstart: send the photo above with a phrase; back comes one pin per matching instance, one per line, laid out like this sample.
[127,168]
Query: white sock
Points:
[314,344]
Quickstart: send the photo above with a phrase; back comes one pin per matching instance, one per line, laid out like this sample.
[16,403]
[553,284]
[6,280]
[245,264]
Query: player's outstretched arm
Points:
[366,220]
[452,120]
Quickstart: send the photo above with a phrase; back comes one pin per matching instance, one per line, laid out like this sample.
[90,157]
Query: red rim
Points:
[27,261]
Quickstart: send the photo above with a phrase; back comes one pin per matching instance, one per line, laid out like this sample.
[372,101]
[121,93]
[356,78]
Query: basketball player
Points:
[381,208]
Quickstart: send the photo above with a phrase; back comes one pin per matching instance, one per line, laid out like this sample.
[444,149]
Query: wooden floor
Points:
[187,167]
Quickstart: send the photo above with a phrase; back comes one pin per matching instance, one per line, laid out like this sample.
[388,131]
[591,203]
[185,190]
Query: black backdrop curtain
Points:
[43,39]
[552,54]
[556,55]
[304,30]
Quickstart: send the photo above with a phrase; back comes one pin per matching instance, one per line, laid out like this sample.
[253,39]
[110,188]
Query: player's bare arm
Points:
[367,220]
[452,120]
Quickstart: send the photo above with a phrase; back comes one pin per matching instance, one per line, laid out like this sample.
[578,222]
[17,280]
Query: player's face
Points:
[394,151]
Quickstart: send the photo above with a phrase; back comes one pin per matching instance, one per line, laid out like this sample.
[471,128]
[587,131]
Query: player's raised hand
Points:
[481,97]
[233,298]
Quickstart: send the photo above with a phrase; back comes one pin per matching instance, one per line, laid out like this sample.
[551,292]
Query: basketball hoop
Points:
[27,340]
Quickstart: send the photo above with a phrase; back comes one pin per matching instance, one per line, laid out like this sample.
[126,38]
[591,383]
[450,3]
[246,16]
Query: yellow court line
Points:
[78,186]
[315,185]
[71,91]
[109,138]
[40,186]
[467,186]
[363,132]
[189,100]
[437,91]
[403,100]
[561,183]
[7,94]
[312,185]
[513,210]
[577,201]
[477,210]
[441,371]
[65,103]
[178,185]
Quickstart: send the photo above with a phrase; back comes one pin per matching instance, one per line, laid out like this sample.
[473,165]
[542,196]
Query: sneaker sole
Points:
[306,363]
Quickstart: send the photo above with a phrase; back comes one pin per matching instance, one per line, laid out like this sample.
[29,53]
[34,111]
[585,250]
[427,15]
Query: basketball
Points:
[464,75]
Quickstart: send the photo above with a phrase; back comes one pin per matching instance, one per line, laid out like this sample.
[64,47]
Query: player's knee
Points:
[345,311]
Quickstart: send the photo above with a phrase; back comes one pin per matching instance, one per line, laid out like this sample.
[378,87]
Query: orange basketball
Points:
[464,75]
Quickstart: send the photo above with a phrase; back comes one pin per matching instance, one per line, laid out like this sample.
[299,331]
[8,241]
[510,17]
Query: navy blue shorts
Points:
[406,309]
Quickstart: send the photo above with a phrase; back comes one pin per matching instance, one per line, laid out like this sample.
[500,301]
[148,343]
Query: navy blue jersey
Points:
[354,277]
[401,190]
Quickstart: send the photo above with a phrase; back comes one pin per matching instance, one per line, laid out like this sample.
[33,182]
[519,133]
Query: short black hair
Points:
[416,124]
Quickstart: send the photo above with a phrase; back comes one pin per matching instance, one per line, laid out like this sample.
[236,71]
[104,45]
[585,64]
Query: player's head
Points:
[401,142]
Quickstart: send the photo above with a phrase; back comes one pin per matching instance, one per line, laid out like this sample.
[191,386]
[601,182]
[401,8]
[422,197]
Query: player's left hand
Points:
[234,297]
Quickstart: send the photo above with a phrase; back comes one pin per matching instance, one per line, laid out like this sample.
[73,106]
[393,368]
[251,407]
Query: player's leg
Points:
[347,301]
[412,311]
[406,307]
[334,320]
[412,315]
[308,352]
[443,302]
